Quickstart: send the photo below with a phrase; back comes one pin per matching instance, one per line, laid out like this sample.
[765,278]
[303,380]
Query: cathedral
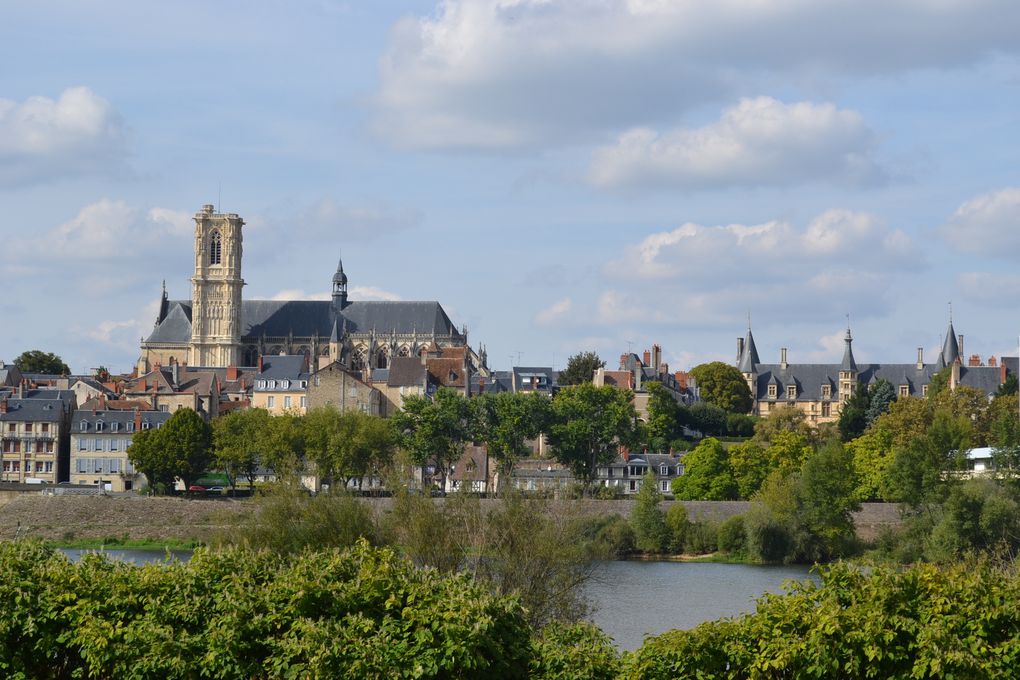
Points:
[218,328]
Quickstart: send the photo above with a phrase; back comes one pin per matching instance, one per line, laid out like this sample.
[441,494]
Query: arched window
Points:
[381,360]
[215,248]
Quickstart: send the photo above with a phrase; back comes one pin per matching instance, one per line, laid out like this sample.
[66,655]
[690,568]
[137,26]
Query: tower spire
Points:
[339,286]
[848,353]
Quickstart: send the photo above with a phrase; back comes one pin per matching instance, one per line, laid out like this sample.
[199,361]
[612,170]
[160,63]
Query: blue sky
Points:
[562,175]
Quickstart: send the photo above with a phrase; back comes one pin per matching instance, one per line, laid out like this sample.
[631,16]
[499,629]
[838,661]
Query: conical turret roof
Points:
[950,348]
[848,354]
[749,358]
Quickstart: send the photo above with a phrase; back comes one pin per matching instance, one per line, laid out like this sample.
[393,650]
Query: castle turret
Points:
[847,369]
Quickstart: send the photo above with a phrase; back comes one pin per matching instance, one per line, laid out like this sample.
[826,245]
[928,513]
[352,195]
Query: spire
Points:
[749,359]
[340,286]
[950,348]
[335,335]
[848,354]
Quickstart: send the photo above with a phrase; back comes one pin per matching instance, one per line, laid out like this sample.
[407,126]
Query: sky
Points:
[562,175]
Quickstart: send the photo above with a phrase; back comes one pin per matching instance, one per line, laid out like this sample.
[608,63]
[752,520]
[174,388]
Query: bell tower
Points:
[216,289]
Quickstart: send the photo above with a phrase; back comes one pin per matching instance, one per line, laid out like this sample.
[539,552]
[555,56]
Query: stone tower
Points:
[216,289]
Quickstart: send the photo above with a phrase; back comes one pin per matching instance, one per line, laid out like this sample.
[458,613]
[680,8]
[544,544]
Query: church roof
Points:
[306,318]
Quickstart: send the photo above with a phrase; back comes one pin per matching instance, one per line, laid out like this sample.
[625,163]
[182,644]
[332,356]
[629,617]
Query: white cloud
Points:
[616,307]
[499,74]
[373,293]
[759,141]
[77,134]
[554,313]
[112,230]
[988,224]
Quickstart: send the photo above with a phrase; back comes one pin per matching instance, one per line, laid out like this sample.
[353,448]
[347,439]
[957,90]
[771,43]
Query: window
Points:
[633,485]
[29,447]
[49,447]
[904,390]
[664,486]
[609,472]
[99,426]
[145,425]
[262,384]
[81,444]
[97,464]
[284,384]
[270,401]
[826,410]
[772,391]
[45,427]
[39,466]
[791,391]
[304,402]
[28,427]
[48,466]
[286,402]
[272,384]
[84,426]
[826,391]
[114,426]
[11,427]
[165,408]
[663,469]
[115,465]
[97,444]
[215,248]
[114,445]
[304,384]
[130,426]
[83,465]
[924,390]
[7,466]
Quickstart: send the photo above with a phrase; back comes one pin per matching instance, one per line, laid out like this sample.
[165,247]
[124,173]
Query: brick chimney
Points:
[656,357]
[138,419]
[102,402]
[1002,373]
[231,372]
[992,361]
[647,358]
[3,405]
[974,360]
[260,363]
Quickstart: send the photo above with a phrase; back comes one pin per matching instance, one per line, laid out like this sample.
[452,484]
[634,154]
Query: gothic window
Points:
[791,392]
[381,360]
[215,248]
[358,359]
[404,351]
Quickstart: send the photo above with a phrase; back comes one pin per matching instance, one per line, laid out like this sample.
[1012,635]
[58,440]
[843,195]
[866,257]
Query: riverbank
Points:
[71,520]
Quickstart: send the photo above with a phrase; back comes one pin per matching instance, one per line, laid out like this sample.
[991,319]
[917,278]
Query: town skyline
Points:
[559,177]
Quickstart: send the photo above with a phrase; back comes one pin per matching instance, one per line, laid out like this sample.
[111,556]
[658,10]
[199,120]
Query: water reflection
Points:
[132,556]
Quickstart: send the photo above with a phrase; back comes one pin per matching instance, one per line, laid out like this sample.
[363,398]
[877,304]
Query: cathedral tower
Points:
[216,289]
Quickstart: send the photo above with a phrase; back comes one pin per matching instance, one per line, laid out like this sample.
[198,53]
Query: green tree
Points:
[650,531]
[507,421]
[186,442]
[676,522]
[881,395]
[853,416]
[940,381]
[580,369]
[724,386]
[37,361]
[666,418]
[1009,386]
[787,418]
[752,463]
[146,454]
[920,470]
[285,447]
[872,455]
[240,442]
[707,475]
[589,426]
[435,430]
[708,419]
[347,445]
[827,492]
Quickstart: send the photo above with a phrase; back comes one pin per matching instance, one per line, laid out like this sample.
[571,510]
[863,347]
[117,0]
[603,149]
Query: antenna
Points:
[630,345]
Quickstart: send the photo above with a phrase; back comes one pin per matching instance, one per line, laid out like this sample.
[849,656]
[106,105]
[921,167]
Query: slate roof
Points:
[307,318]
[289,367]
[544,378]
[39,406]
[749,359]
[90,418]
[406,372]
[10,375]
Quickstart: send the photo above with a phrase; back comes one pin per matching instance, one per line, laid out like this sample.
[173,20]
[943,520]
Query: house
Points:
[820,390]
[636,372]
[405,376]
[627,471]
[175,387]
[34,438]
[281,384]
[337,386]
[99,441]
[474,472]
[541,476]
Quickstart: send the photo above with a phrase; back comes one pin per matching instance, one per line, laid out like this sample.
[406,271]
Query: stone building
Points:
[281,385]
[820,390]
[99,442]
[218,328]
[34,434]
[177,386]
[337,386]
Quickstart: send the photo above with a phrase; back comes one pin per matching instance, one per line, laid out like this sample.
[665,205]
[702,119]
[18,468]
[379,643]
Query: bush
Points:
[676,522]
[731,537]
[923,622]
[648,521]
[701,537]
[611,536]
[237,614]
[580,651]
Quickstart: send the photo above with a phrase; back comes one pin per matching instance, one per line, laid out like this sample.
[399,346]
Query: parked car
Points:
[214,489]
[196,488]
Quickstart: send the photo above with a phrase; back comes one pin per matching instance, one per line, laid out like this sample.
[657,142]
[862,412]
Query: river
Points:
[633,599]
[637,598]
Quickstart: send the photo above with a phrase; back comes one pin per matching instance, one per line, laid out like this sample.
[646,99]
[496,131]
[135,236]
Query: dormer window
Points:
[772,391]
[215,248]
[145,424]
[904,390]
[924,390]
[99,426]
[826,391]
[284,384]
[664,470]
[791,392]
[84,427]
[113,427]
[130,427]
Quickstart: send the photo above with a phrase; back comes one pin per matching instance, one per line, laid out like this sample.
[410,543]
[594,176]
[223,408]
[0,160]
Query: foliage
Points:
[939,382]
[701,537]
[579,651]
[922,622]
[435,430]
[881,395]
[180,448]
[650,530]
[676,522]
[611,536]
[580,369]
[287,520]
[919,473]
[978,515]
[666,418]
[1009,386]
[589,425]
[38,361]
[853,416]
[708,419]
[346,445]
[786,418]
[240,442]
[752,463]
[732,535]
[146,454]
[872,457]
[236,614]
[827,493]
[507,420]
[707,475]
[724,386]
[740,424]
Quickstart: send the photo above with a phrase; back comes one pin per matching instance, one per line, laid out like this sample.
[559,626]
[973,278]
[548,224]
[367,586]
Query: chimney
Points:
[992,361]
[623,361]
[175,373]
[231,372]
[960,343]
[260,363]
[920,358]
[3,405]
[1002,373]
[656,357]
[102,401]
[782,359]
[21,388]
[138,419]
[974,360]
[647,357]
[740,349]
[625,453]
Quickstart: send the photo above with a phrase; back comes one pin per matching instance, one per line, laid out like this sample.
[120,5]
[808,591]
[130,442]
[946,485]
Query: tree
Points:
[827,493]
[872,455]
[37,361]
[787,418]
[285,446]
[724,386]
[919,473]
[940,381]
[666,418]
[650,530]
[707,475]
[347,445]
[240,443]
[507,421]
[1009,387]
[752,463]
[186,442]
[589,425]
[853,416]
[580,369]
[708,419]
[146,454]
[435,430]
[881,395]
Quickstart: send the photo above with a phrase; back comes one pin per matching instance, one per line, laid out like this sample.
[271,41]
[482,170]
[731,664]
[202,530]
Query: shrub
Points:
[580,651]
[676,522]
[731,537]
[650,531]
[611,536]
[701,537]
